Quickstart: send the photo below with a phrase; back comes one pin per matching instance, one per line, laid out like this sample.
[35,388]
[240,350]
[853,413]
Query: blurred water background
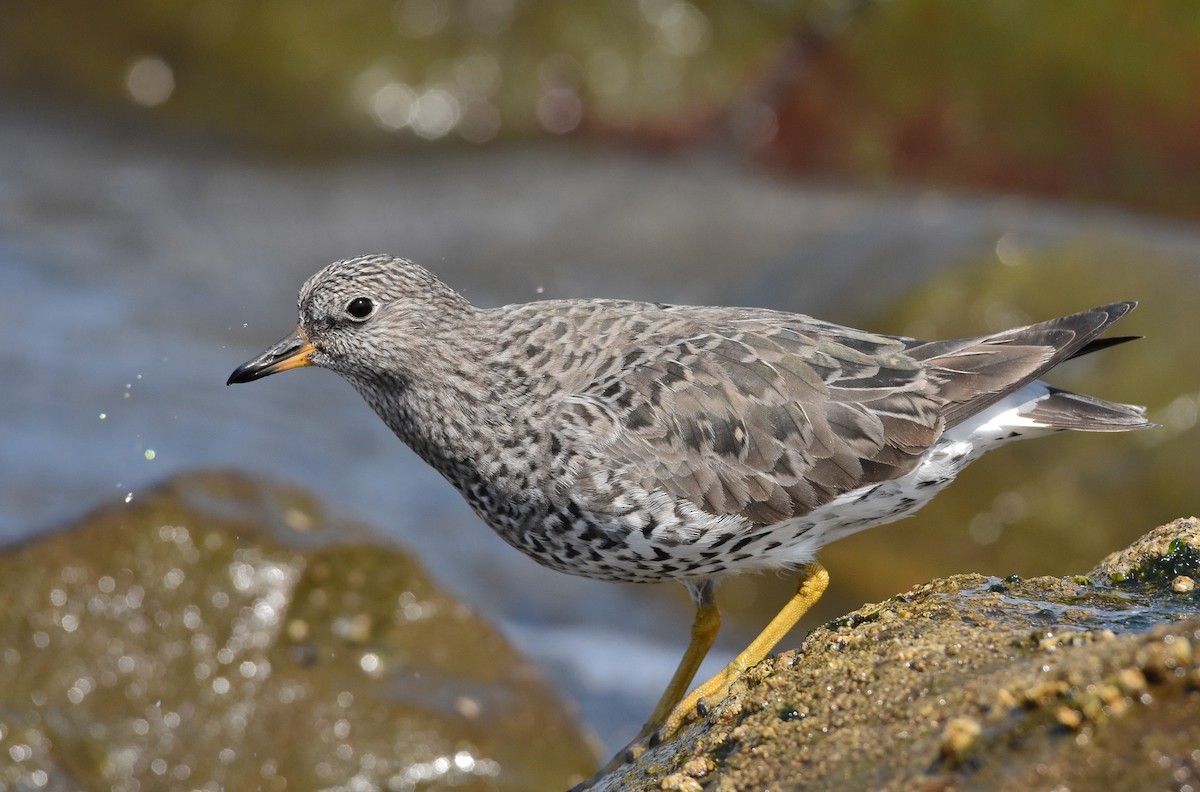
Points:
[171,173]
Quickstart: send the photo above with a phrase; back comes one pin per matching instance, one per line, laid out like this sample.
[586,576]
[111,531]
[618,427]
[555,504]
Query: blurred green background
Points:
[1091,99]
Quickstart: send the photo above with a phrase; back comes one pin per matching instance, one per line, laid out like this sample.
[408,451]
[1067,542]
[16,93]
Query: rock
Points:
[1086,682]
[223,633]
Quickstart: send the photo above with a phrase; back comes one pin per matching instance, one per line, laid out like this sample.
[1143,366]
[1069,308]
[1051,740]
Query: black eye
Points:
[360,307]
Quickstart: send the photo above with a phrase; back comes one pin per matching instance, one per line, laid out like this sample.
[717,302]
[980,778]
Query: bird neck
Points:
[465,418]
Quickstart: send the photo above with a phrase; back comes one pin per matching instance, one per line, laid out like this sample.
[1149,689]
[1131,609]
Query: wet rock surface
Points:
[221,632]
[1086,682]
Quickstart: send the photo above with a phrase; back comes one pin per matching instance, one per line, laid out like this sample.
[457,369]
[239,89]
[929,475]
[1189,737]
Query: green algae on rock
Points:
[224,633]
[1158,558]
[970,682]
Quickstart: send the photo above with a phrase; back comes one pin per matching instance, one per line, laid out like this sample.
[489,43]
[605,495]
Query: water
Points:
[137,269]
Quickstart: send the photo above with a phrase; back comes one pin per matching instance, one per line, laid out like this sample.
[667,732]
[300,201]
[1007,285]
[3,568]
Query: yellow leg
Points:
[670,712]
[812,586]
[704,632]
[705,627]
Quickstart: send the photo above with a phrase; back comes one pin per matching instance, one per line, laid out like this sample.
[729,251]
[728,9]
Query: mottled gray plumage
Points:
[637,441]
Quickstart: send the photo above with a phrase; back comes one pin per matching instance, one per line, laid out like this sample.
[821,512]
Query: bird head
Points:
[364,317]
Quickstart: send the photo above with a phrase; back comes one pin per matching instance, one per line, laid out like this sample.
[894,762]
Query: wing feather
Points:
[765,422]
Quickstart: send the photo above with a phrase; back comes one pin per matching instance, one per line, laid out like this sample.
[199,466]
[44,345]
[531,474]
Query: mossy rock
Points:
[221,632]
[970,683]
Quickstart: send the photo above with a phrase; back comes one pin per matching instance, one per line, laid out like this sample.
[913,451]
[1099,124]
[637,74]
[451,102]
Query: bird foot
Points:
[686,712]
[697,704]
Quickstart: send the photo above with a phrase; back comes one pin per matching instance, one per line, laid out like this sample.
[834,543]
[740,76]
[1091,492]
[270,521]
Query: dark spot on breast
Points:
[649,527]
[867,494]
[742,543]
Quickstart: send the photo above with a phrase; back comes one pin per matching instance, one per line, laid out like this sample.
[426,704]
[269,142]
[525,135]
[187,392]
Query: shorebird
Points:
[635,441]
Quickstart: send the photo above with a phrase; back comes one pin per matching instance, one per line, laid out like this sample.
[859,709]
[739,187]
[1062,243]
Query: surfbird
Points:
[635,441]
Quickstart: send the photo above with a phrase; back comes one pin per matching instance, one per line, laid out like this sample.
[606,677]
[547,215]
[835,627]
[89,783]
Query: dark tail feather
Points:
[1103,343]
[1065,410]
[976,372]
